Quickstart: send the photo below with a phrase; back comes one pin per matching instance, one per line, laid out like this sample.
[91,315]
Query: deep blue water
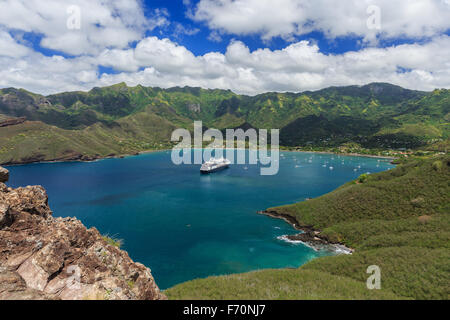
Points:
[184,225]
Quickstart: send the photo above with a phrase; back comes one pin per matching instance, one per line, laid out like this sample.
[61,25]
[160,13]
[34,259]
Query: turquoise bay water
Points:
[184,225]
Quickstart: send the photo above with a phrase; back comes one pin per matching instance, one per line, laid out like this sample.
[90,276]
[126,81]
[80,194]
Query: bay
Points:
[184,225]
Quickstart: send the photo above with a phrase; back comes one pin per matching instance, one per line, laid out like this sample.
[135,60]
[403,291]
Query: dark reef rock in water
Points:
[42,257]
[309,236]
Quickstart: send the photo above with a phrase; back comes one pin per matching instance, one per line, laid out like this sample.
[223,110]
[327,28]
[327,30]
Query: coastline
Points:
[345,154]
[310,237]
[78,157]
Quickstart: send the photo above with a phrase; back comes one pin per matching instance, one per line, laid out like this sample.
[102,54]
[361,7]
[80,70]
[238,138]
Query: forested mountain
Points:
[122,120]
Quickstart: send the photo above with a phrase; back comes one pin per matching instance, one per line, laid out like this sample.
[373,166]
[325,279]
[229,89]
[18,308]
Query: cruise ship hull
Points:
[208,170]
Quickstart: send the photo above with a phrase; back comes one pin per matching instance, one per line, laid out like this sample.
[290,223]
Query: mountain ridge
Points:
[126,120]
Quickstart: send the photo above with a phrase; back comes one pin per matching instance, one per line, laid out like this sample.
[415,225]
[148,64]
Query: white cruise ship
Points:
[214,165]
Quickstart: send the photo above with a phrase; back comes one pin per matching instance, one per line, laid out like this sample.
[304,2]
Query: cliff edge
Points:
[42,257]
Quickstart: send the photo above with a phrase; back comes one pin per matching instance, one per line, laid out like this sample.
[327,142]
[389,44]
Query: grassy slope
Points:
[137,132]
[398,220]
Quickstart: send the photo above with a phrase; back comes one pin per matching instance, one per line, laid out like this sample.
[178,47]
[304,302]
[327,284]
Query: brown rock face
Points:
[12,122]
[4,175]
[13,287]
[42,257]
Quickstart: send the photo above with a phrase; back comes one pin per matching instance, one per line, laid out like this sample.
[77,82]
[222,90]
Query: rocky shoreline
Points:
[42,257]
[309,236]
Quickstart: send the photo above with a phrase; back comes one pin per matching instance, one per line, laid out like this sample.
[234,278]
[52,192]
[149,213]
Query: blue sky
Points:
[199,43]
[248,46]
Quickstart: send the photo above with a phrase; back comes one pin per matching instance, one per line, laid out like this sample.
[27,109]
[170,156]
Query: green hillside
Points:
[36,141]
[398,220]
[121,119]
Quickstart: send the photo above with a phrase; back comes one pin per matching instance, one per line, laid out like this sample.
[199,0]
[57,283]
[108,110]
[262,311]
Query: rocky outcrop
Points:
[12,122]
[13,287]
[309,236]
[42,257]
[4,175]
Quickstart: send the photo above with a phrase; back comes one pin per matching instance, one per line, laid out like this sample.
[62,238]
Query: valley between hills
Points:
[120,120]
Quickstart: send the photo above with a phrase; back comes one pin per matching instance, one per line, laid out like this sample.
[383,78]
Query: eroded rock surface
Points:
[42,257]
[12,122]
[4,175]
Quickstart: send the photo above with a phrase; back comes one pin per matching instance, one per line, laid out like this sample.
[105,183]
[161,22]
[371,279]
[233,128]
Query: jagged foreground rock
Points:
[42,257]
[4,175]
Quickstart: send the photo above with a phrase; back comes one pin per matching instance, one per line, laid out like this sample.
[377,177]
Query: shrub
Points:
[437,165]
[363,178]
[113,242]
[418,202]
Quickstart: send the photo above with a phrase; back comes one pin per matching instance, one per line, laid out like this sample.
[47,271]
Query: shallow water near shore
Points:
[184,225]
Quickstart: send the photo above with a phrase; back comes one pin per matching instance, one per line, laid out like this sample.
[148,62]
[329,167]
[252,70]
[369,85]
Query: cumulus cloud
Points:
[80,26]
[297,67]
[10,48]
[155,61]
[288,18]
[43,74]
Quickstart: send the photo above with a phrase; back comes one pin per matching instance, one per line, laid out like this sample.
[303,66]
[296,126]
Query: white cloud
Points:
[41,74]
[181,30]
[301,56]
[215,36]
[10,48]
[121,60]
[111,23]
[164,54]
[298,67]
[161,62]
[287,18]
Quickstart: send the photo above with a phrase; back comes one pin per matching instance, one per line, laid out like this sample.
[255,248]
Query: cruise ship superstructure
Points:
[214,165]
